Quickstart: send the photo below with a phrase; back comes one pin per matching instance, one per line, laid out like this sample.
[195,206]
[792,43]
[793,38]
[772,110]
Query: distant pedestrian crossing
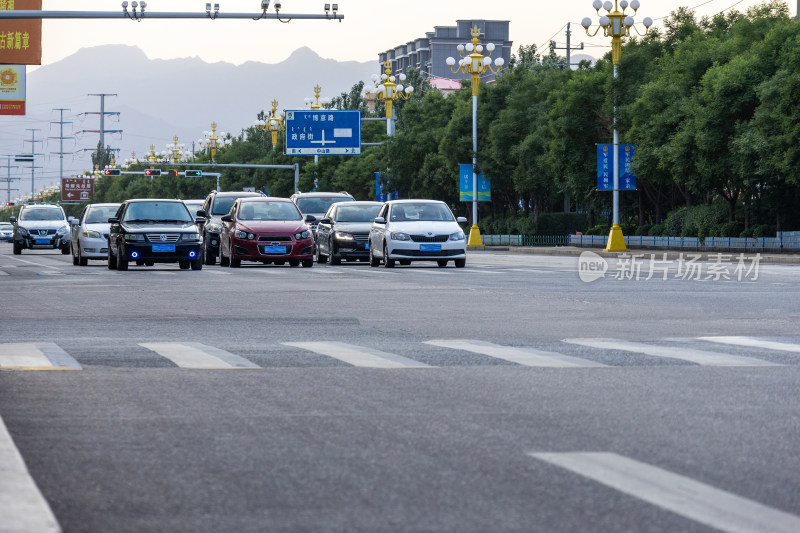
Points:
[574,353]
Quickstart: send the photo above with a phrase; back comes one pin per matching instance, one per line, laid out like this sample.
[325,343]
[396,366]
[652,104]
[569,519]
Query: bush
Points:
[657,230]
[600,229]
[764,230]
[748,233]
[730,229]
[644,229]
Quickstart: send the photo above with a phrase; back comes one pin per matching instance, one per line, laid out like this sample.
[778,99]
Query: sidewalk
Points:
[769,257]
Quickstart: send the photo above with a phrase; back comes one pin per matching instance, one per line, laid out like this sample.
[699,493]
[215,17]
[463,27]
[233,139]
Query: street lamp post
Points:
[617,25]
[213,141]
[318,102]
[475,64]
[272,124]
[175,151]
[388,91]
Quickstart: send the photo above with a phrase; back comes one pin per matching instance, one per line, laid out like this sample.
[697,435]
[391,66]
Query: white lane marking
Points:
[686,354]
[358,355]
[31,262]
[697,501]
[49,272]
[754,343]
[2,273]
[521,356]
[198,355]
[474,271]
[218,272]
[532,270]
[36,356]
[22,505]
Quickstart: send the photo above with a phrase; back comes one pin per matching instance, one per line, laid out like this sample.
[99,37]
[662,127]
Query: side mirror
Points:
[13,220]
[113,220]
[310,218]
[73,221]
[226,218]
[379,220]
[326,220]
[70,219]
[200,221]
[201,213]
[461,220]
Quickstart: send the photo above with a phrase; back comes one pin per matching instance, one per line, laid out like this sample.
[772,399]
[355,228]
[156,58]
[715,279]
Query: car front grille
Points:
[42,232]
[361,238]
[167,237]
[431,238]
[279,238]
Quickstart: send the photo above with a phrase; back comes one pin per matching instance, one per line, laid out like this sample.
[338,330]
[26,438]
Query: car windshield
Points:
[357,213]
[157,212]
[47,213]
[222,204]
[421,212]
[318,204]
[268,211]
[194,207]
[100,214]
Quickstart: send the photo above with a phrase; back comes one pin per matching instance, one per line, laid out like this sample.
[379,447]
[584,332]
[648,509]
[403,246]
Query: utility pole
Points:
[61,142]
[33,142]
[102,131]
[569,48]
[9,166]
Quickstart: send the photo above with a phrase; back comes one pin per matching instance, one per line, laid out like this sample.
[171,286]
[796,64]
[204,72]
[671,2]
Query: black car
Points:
[218,204]
[343,233]
[148,231]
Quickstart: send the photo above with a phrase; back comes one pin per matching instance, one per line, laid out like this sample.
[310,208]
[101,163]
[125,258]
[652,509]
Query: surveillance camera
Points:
[264,4]
[277,5]
[125,4]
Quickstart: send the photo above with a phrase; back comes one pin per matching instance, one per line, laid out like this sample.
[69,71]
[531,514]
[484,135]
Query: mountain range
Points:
[157,99]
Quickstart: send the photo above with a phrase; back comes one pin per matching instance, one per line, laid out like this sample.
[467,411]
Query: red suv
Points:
[267,230]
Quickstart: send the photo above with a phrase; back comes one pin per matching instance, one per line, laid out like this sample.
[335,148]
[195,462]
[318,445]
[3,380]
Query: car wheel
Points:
[122,262]
[387,263]
[223,261]
[320,257]
[235,262]
[294,262]
[75,260]
[442,263]
[460,263]
[210,258]
[65,250]
[197,264]
[335,260]
[112,260]
[82,261]
[308,263]
[17,248]
[373,261]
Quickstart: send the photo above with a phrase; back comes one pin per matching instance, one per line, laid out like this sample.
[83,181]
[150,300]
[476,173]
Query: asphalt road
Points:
[506,396]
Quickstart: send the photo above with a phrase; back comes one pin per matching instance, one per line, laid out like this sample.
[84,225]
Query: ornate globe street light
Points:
[214,142]
[318,102]
[617,25]
[388,91]
[475,64]
[272,124]
[175,151]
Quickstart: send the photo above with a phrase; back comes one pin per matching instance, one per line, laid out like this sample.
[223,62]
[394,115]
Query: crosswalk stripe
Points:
[49,272]
[218,272]
[36,356]
[697,501]
[22,505]
[686,354]
[754,343]
[3,273]
[521,356]
[198,355]
[358,355]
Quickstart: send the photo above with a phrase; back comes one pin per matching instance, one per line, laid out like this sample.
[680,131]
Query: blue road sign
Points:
[465,185]
[323,132]
[605,167]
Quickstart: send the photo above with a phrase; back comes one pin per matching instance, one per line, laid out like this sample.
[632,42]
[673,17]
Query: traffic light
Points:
[112,172]
[193,173]
[152,172]
[173,173]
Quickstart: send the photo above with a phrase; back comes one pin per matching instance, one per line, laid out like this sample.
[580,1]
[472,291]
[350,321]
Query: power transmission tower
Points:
[9,180]
[102,131]
[61,138]
[569,48]
[33,142]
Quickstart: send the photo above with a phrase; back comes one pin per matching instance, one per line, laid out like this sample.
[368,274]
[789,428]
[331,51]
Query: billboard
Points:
[12,89]
[20,39]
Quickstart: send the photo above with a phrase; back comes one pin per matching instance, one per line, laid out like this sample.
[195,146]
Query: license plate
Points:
[163,247]
[275,249]
[366,245]
[42,241]
[430,247]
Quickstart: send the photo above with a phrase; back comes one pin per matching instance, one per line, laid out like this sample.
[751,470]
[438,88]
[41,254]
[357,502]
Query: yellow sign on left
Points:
[21,39]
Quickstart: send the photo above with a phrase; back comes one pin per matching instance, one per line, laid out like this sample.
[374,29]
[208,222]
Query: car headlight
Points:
[343,236]
[91,234]
[457,236]
[214,228]
[302,235]
[22,231]
[63,230]
[244,235]
[399,236]
[132,237]
[190,237]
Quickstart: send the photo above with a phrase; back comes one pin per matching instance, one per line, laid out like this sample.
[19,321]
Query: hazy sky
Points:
[369,27]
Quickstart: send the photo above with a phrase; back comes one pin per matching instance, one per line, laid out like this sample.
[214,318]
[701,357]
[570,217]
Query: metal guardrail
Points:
[788,242]
[525,240]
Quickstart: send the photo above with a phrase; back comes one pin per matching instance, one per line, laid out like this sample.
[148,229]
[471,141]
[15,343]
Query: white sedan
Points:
[417,230]
[89,233]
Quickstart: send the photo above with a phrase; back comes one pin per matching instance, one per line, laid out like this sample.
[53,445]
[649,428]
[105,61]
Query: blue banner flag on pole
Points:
[605,165]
